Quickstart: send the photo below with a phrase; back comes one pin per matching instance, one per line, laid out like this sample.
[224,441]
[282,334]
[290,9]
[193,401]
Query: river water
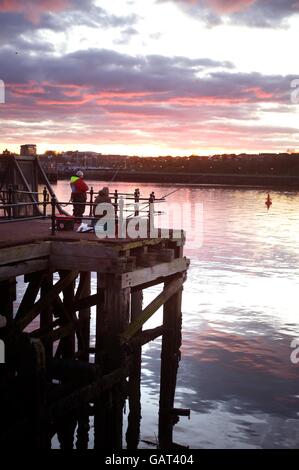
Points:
[240,315]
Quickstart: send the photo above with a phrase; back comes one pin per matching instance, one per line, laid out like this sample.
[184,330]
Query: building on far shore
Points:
[28,150]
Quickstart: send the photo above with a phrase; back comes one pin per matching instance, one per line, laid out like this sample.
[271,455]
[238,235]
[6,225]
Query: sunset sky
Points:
[150,77]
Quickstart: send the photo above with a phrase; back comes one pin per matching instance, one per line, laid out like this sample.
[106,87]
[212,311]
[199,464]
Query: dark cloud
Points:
[75,11]
[134,81]
[16,23]
[111,96]
[101,67]
[126,35]
[256,13]
[33,9]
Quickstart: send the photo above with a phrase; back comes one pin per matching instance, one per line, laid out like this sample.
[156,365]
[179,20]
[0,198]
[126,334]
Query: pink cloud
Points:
[259,93]
[33,9]
[230,6]
[21,89]
[220,6]
[64,103]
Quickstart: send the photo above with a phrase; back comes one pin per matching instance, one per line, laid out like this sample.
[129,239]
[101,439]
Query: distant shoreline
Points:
[191,179]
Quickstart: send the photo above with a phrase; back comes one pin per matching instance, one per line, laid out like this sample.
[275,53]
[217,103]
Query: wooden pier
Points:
[56,380]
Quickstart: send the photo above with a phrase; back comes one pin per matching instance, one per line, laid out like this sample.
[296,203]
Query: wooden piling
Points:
[83,291]
[113,318]
[68,343]
[134,391]
[46,315]
[7,295]
[84,315]
[170,357]
[81,389]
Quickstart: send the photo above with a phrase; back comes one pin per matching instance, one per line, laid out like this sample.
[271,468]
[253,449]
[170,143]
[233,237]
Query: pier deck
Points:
[63,377]
[25,231]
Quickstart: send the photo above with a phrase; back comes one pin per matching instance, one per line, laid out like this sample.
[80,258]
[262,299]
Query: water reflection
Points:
[240,314]
[228,379]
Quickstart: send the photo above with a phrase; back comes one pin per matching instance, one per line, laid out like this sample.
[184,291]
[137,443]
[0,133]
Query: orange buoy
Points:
[268,201]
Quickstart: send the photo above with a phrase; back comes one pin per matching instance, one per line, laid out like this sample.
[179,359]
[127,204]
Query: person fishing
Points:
[78,195]
[102,198]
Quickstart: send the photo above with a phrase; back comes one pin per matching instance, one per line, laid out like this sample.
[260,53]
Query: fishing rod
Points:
[172,192]
[114,176]
[162,198]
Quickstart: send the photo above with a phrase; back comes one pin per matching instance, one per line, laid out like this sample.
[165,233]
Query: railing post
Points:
[151,201]
[53,218]
[115,201]
[45,194]
[121,232]
[136,197]
[91,201]
[9,200]
[115,211]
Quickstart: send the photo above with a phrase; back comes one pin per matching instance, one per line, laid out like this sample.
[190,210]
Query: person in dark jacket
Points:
[102,198]
[78,196]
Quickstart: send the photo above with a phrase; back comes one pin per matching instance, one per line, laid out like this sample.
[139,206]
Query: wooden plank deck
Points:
[23,232]
[29,246]
[29,231]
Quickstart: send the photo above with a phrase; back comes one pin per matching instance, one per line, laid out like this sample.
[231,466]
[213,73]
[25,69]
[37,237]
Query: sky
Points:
[150,77]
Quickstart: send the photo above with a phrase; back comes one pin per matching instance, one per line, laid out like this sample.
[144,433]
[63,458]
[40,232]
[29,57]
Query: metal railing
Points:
[46,205]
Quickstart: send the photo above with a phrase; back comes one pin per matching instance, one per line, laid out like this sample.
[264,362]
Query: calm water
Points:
[240,314]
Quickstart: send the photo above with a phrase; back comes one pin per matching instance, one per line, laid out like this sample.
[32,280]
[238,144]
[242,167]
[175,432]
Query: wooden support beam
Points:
[46,300]
[19,254]
[100,322]
[101,404]
[66,349]
[59,333]
[84,315]
[22,268]
[85,302]
[146,275]
[181,412]
[83,256]
[170,357]
[83,249]
[85,394]
[171,288]
[68,346]
[41,332]
[30,295]
[85,263]
[145,337]
[113,318]
[7,296]
[46,315]
[132,245]
[134,390]
[159,280]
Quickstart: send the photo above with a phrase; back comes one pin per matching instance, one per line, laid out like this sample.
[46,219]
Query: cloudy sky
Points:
[150,77]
